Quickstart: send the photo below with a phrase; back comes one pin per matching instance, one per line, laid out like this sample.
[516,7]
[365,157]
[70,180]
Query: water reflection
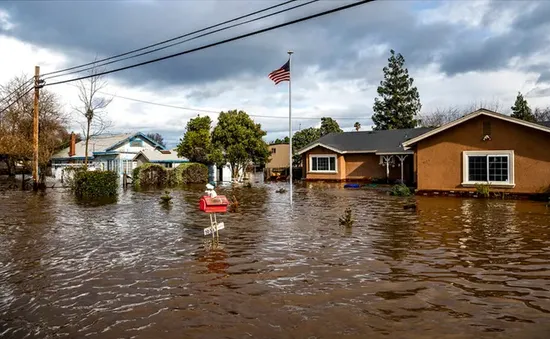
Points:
[460,268]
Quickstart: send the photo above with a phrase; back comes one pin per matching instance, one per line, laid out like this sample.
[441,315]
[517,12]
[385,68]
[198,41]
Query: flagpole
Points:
[290,122]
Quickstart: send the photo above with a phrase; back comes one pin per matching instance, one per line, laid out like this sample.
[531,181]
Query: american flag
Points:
[281,74]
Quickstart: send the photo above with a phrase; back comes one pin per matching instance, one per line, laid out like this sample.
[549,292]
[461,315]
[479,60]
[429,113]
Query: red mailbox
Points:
[213,205]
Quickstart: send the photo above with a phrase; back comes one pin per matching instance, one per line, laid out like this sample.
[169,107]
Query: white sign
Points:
[218,227]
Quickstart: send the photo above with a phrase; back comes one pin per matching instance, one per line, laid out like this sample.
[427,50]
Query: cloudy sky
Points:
[459,53]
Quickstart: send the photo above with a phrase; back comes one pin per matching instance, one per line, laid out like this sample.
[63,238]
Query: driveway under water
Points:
[454,268]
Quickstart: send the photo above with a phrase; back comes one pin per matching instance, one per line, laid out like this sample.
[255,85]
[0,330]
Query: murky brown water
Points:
[453,269]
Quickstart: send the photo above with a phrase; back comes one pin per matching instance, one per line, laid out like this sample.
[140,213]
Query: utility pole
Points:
[35,127]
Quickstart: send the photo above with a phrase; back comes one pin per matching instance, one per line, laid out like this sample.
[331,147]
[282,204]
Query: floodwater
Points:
[454,268]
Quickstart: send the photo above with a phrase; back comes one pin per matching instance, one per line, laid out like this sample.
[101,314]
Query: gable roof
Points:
[132,136]
[100,144]
[472,115]
[161,156]
[380,142]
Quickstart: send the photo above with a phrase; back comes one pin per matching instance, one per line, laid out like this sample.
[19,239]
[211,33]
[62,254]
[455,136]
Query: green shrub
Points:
[150,174]
[483,189]
[400,190]
[347,219]
[190,173]
[69,173]
[94,184]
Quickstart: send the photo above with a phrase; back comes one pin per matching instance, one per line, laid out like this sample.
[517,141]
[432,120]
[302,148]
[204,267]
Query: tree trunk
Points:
[87,140]
[232,171]
[42,174]
[11,166]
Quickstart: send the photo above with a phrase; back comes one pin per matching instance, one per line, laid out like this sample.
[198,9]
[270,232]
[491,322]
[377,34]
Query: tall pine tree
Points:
[521,109]
[329,125]
[398,102]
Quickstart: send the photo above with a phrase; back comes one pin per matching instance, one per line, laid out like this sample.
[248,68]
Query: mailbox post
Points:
[212,204]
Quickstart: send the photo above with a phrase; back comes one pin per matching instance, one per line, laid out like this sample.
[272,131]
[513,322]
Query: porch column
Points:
[387,160]
[402,160]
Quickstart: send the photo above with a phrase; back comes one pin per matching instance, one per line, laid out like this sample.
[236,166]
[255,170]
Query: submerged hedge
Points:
[190,173]
[94,184]
[151,174]
[400,190]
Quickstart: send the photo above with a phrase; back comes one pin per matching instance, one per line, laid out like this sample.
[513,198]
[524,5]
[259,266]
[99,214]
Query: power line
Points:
[210,111]
[16,90]
[16,100]
[183,41]
[334,10]
[172,39]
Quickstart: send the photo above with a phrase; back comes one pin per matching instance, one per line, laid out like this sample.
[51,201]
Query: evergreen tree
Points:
[196,144]
[157,137]
[240,140]
[301,139]
[399,102]
[278,141]
[329,125]
[521,109]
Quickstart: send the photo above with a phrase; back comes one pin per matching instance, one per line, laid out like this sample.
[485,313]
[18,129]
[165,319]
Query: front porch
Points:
[398,167]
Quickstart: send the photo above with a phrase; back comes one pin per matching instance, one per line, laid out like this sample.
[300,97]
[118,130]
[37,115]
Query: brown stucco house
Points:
[361,156]
[278,161]
[483,147]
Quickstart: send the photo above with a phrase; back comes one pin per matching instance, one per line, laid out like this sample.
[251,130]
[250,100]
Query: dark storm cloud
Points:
[544,76]
[527,35]
[334,43]
[107,28]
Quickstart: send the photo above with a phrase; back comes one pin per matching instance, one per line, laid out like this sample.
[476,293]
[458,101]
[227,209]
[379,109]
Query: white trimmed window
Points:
[322,163]
[488,167]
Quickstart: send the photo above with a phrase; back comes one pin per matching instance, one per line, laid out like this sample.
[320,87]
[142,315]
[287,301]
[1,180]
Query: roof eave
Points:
[181,161]
[140,153]
[121,142]
[395,153]
[359,152]
[407,144]
[310,147]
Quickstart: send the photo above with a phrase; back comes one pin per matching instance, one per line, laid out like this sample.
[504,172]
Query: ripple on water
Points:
[454,268]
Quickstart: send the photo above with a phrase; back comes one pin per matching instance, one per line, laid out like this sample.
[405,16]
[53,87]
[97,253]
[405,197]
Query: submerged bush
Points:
[400,190]
[190,173]
[94,184]
[346,219]
[483,189]
[150,175]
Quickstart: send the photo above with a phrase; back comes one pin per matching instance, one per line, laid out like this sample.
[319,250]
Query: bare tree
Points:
[492,105]
[441,116]
[542,114]
[94,117]
[16,125]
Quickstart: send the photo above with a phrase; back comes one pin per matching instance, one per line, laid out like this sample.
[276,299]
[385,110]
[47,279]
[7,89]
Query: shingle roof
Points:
[161,156]
[481,111]
[96,144]
[386,141]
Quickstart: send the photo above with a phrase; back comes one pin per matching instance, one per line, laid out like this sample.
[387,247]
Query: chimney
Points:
[72,151]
